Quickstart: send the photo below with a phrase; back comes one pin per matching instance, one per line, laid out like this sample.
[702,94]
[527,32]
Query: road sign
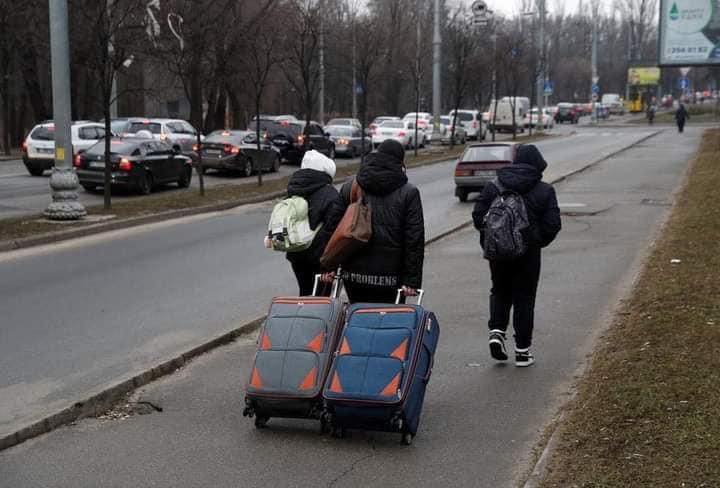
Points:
[595,79]
[684,71]
[594,97]
[359,89]
[548,89]
[481,14]
[684,83]
[595,89]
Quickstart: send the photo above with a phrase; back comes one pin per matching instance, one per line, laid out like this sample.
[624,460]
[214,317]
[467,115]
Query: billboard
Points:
[689,32]
[644,76]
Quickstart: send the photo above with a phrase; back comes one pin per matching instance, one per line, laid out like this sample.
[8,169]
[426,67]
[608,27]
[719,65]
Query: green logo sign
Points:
[674,12]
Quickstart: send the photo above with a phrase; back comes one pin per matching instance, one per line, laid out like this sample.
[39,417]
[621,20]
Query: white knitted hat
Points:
[318,162]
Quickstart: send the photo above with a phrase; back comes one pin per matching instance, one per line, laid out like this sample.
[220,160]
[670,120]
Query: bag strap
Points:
[356,192]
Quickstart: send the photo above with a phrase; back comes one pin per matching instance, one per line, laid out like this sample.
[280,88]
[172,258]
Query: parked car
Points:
[461,135]
[277,118]
[472,121]
[566,113]
[602,111]
[178,133]
[510,113]
[533,119]
[478,166]
[614,103]
[292,140]
[379,120]
[137,163]
[346,122]
[38,148]
[425,125]
[237,151]
[348,140]
[402,131]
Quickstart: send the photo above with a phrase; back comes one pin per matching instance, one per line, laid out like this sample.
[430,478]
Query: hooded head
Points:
[318,162]
[383,171]
[526,170]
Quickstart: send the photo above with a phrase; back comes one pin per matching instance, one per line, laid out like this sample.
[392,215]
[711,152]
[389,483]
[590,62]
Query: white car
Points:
[425,125]
[461,135]
[547,120]
[39,146]
[472,121]
[402,131]
[178,133]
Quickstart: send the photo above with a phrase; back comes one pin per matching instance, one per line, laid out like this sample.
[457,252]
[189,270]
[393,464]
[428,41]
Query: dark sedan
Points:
[237,151]
[292,139]
[140,164]
[478,166]
[348,140]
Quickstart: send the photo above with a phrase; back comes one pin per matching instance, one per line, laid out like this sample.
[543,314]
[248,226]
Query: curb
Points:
[93,229]
[102,401]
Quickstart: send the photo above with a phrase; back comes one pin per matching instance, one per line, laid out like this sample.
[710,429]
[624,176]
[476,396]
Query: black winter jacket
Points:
[324,207]
[395,254]
[524,176]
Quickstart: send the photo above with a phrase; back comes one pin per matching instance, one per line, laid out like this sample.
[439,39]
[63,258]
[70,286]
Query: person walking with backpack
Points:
[313,182]
[393,257]
[681,116]
[517,216]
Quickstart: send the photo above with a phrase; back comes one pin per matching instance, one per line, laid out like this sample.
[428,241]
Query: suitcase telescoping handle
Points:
[420,294]
[337,284]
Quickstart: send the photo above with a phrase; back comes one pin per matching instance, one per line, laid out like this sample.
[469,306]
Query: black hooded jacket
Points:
[524,177]
[324,207]
[394,256]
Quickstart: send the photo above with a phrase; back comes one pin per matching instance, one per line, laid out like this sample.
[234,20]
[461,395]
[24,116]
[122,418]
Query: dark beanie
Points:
[529,154]
[393,148]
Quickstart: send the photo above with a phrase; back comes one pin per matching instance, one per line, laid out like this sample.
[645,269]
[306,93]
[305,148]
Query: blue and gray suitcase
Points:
[295,346]
[381,369]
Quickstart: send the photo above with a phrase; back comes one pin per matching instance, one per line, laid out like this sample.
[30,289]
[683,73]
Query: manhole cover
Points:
[655,203]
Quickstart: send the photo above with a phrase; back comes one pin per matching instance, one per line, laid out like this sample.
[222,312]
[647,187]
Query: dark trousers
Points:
[514,286]
[370,294]
[681,125]
[305,276]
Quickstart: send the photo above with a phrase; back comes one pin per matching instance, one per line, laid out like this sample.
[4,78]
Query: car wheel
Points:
[353,153]
[89,187]
[185,177]
[461,194]
[331,153]
[145,183]
[276,165]
[36,171]
[248,168]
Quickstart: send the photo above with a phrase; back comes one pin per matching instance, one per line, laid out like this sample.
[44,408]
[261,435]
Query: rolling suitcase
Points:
[295,346]
[381,369]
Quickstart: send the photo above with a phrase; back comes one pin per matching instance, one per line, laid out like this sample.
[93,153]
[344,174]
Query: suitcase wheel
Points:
[261,422]
[406,439]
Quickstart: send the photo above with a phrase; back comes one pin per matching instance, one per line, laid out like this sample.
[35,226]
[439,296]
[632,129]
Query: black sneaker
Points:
[497,345]
[523,358]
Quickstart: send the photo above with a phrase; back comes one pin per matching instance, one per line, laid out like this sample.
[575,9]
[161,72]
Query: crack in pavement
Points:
[352,467]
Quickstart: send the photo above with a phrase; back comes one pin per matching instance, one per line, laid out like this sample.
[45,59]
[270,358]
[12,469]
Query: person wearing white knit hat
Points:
[314,182]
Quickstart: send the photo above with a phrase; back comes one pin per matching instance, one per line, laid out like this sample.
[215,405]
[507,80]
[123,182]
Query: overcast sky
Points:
[510,7]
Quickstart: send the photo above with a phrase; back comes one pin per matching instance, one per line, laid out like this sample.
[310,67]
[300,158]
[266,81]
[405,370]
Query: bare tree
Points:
[462,45]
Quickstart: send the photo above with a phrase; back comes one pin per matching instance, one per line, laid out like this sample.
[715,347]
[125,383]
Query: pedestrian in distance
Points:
[314,182]
[393,258]
[681,116]
[650,112]
[515,280]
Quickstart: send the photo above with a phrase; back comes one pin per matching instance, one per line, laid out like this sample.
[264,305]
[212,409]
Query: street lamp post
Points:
[541,62]
[437,53]
[64,181]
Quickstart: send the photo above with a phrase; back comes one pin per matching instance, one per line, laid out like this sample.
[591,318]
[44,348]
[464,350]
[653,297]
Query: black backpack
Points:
[504,226]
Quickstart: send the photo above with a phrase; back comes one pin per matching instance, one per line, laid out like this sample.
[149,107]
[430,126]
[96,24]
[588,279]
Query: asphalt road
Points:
[80,315]
[481,420]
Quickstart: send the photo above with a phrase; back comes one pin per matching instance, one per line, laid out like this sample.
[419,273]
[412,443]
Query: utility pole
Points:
[418,37]
[541,65]
[113,90]
[322,63]
[595,77]
[354,70]
[437,49]
[64,181]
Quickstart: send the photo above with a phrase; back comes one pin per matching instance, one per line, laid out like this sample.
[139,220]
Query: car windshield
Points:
[487,153]
[465,116]
[446,120]
[136,127]
[118,126]
[340,131]
[117,146]
[46,133]
[340,122]
[224,137]
[392,125]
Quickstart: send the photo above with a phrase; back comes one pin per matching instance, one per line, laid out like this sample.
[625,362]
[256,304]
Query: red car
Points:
[478,166]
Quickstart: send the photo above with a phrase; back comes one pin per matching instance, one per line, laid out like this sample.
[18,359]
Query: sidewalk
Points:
[481,420]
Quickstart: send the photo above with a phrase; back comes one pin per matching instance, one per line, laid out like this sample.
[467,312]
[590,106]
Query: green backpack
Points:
[289,229]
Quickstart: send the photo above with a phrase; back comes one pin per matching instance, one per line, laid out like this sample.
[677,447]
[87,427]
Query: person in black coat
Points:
[514,283]
[314,182]
[394,256]
[681,116]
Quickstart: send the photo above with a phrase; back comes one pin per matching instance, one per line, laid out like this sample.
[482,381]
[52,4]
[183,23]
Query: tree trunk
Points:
[258,164]
[107,187]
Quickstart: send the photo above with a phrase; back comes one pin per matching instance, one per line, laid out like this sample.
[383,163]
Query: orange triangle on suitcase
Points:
[335,386]
[392,388]
[345,348]
[400,352]
[265,343]
[255,380]
[316,345]
[309,382]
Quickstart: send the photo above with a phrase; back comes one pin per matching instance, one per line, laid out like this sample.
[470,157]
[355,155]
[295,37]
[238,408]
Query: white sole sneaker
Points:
[523,359]
[497,346]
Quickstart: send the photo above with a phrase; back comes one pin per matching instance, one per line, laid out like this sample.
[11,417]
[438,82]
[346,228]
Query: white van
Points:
[503,119]
[471,120]
[614,103]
